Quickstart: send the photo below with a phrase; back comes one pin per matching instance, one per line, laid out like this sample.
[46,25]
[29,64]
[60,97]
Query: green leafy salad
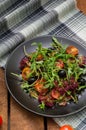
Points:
[54,75]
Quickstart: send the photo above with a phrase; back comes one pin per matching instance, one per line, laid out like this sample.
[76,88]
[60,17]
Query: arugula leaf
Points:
[42,106]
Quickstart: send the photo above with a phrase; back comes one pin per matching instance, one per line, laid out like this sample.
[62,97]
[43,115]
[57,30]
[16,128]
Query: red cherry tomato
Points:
[55,94]
[1,121]
[25,73]
[66,127]
[39,57]
[59,63]
[72,50]
[39,86]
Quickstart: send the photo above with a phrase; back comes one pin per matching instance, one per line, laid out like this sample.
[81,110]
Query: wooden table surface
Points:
[17,118]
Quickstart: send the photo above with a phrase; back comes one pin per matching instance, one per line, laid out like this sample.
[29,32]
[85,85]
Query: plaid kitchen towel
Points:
[21,20]
[78,120]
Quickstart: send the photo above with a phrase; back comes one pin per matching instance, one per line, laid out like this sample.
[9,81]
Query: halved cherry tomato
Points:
[72,50]
[66,127]
[25,73]
[39,57]
[39,86]
[55,94]
[59,63]
[82,61]
[1,121]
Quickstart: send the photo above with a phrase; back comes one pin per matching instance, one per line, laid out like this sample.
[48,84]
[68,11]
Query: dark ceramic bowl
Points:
[24,99]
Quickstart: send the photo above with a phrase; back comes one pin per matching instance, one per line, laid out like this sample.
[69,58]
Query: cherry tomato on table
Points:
[1,121]
[66,127]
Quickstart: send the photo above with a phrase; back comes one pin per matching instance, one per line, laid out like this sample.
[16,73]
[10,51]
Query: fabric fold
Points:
[13,41]
[65,9]
[6,4]
[22,12]
[18,14]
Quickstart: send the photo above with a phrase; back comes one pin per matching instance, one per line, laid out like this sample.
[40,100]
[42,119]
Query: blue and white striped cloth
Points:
[21,20]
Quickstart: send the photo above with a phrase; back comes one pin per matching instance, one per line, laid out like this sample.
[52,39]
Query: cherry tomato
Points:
[1,121]
[66,127]
[82,61]
[39,57]
[72,50]
[60,64]
[39,86]
[55,94]
[25,73]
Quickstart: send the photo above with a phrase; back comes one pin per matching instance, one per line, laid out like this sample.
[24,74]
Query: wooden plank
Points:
[51,125]
[21,119]
[3,101]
